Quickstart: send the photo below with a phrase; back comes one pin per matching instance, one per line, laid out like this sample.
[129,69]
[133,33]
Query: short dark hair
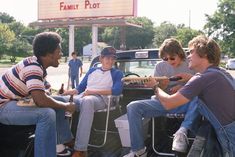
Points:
[46,42]
[73,53]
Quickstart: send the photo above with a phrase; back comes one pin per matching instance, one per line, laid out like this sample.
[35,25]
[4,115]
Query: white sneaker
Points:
[140,153]
[63,151]
[60,148]
[180,142]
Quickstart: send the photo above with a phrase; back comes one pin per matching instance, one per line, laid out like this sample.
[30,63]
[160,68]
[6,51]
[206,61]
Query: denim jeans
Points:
[49,123]
[136,110]
[74,81]
[225,134]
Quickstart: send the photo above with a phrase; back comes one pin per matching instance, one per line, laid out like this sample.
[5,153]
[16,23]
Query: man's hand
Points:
[70,92]
[87,92]
[175,89]
[150,83]
[96,92]
[185,77]
[164,83]
[70,107]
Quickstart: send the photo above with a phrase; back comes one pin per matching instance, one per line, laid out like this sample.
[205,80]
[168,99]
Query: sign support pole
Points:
[71,40]
[94,40]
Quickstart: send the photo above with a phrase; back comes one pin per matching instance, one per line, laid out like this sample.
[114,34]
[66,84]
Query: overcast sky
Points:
[174,11]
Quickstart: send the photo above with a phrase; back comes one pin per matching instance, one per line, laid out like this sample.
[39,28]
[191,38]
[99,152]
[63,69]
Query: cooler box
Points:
[123,129]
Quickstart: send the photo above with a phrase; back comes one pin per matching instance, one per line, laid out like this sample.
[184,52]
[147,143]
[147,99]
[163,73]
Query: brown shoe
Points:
[70,144]
[79,154]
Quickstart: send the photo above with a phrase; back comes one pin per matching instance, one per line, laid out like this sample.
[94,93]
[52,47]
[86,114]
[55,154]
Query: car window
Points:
[140,68]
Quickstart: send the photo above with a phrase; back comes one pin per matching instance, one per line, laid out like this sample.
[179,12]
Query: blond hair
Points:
[206,48]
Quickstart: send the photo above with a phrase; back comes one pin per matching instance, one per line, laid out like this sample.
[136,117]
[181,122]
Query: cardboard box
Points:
[123,129]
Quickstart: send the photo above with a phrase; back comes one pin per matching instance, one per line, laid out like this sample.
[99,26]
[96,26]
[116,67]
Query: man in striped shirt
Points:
[26,80]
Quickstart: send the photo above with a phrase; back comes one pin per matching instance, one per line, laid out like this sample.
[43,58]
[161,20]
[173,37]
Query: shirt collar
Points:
[44,70]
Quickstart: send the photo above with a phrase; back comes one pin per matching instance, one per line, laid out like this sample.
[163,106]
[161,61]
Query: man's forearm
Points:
[41,99]
[170,101]
[50,102]
[100,92]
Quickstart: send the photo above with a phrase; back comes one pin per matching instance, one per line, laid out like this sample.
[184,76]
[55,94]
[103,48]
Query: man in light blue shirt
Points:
[74,65]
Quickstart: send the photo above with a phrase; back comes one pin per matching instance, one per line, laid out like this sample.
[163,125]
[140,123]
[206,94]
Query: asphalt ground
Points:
[59,75]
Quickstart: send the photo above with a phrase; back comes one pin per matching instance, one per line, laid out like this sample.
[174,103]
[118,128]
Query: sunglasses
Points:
[170,58]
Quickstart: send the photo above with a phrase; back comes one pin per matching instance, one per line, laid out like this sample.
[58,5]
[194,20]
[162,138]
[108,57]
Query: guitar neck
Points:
[139,79]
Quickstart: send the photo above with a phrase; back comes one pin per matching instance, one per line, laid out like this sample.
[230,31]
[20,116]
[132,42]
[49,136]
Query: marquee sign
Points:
[65,9]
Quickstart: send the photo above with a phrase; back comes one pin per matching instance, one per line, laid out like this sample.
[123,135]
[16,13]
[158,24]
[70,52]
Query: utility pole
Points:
[123,38]
[189,19]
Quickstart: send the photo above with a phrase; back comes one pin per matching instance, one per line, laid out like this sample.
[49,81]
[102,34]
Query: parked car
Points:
[230,65]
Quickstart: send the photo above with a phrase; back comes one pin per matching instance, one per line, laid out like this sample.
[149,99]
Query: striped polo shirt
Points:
[18,81]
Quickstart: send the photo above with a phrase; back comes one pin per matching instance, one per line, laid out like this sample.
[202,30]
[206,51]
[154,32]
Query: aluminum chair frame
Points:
[153,142]
[153,135]
[107,110]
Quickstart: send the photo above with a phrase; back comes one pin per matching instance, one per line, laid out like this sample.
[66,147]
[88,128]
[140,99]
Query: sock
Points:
[141,151]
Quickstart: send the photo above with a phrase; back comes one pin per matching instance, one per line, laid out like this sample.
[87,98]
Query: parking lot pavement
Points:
[57,76]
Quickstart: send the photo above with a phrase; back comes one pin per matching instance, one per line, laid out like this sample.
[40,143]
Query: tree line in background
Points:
[16,39]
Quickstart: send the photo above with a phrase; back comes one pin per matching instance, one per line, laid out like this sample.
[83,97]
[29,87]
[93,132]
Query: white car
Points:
[230,64]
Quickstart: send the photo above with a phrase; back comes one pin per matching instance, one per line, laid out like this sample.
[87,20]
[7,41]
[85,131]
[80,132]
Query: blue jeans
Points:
[74,81]
[225,134]
[49,123]
[136,110]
